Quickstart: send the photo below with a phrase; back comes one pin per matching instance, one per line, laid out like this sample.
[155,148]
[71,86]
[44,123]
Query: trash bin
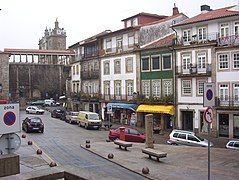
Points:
[122,133]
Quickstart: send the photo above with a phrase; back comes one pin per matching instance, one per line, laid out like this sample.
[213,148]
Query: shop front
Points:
[162,115]
[121,112]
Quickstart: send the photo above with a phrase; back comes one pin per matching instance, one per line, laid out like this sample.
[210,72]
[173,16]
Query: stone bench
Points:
[124,144]
[154,153]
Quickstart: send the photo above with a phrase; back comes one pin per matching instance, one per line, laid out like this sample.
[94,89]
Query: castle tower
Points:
[54,39]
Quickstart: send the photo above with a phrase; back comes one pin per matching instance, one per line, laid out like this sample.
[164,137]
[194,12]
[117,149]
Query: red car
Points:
[131,135]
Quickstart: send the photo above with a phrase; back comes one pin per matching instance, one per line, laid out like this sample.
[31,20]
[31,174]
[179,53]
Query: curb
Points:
[87,149]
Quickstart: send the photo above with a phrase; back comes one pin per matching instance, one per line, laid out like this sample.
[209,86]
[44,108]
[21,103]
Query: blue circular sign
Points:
[9,118]
[209,94]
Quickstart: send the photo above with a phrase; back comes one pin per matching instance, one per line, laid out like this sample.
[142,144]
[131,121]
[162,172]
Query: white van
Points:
[49,102]
[89,119]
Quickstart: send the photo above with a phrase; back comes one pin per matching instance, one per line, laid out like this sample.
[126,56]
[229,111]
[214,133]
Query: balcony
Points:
[115,97]
[197,39]
[228,40]
[227,102]
[194,70]
[117,50]
[85,75]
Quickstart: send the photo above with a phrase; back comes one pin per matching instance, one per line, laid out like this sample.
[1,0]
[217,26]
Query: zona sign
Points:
[9,118]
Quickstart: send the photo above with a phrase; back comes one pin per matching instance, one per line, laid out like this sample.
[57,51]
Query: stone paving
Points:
[182,162]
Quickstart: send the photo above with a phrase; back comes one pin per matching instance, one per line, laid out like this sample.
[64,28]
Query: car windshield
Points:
[201,139]
[94,116]
[36,120]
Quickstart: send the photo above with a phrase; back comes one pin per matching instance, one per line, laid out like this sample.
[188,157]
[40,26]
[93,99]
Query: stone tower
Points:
[54,39]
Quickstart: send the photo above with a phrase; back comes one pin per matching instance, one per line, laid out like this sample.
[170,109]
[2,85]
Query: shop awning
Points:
[155,109]
[122,106]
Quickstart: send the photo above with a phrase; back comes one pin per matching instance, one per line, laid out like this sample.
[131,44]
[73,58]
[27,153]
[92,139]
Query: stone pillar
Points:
[149,130]
[231,119]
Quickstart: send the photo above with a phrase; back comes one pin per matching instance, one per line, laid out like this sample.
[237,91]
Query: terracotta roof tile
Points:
[164,42]
[214,14]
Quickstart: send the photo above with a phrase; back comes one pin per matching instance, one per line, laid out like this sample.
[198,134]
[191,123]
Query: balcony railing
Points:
[194,70]
[90,74]
[228,40]
[118,50]
[229,102]
[116,97]
[197,39]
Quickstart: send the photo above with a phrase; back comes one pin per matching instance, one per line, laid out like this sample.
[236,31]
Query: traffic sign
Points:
[9,143]
[9,118]
[208,115]
[208,95]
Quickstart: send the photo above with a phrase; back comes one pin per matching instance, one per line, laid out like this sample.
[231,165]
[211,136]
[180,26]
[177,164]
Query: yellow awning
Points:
[156,109]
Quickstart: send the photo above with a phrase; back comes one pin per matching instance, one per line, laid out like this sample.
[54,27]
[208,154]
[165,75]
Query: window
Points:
[145,64]
[202,33]
[74,70]
[224,30]
[167,87]
[236,92]
[187,35]
[201,60]
[175,135]
[224,92]
[119,43]
[236,144]
[106,67]
[192,138]
[236,61]
[186,87]
[146,88]
[129,65]
[117,66]
[236,28]
[117,88]
[106,87]
[129,88]
[230,144]
[128,23]
[131,40]
[200,87]
[156,88]
[77,69]
[108,45]
[182,136]
[155,60]
[135,22]
[186,61]
[167,62]
[223,61]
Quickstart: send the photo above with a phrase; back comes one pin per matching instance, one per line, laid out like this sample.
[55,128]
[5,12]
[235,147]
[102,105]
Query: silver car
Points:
[233,144]
[180,137]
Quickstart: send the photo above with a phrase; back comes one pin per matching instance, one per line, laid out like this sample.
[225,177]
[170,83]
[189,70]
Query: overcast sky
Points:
[23,21]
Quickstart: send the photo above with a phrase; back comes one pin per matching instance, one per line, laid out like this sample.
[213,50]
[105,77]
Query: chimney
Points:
[205,8]
[175,10]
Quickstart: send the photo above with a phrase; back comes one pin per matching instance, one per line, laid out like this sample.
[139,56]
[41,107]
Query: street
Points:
[61,142]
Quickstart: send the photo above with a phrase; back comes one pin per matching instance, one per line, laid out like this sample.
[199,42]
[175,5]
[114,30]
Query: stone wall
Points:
[4,75]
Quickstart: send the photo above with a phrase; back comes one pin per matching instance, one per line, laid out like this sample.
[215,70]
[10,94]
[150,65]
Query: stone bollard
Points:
[149,131]
[29,142]
[110,156]
[52,164]
[87,143]
[39,151]
[23,135]
[145,170]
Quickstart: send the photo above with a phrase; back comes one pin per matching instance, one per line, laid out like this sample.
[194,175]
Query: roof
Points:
[38,51]
[145,14]
[165,41]
[131,28]
[211,15]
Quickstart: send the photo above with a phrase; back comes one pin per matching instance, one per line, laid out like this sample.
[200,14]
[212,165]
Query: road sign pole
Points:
[208,130]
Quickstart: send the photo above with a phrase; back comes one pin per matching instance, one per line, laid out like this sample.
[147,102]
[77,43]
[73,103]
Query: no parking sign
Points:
[9,118]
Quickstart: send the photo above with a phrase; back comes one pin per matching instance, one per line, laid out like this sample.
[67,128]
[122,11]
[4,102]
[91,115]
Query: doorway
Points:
[187,120]
[224,125]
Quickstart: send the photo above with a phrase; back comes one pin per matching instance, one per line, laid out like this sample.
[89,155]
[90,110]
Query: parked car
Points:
[57,113]
[71,117]
[34,110]
[30,124]
[131,135]
[37,103]
[89,120]
[180,137]
[233,144]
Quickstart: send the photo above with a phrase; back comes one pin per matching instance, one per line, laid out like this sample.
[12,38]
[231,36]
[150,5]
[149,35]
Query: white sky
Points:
[22,22]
